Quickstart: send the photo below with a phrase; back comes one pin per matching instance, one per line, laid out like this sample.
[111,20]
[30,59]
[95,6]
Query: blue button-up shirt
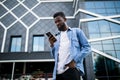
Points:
[79,49]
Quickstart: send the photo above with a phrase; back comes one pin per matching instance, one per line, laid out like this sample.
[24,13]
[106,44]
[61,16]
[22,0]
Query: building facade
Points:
[25,48]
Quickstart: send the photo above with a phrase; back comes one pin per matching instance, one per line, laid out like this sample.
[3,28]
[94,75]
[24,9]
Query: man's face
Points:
[60,23]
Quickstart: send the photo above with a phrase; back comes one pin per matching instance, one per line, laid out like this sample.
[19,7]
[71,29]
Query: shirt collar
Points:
[69,29]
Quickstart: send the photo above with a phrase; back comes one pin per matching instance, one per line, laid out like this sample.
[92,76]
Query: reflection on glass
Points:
[98,47]
[118,54]
[38,43]
[105,34]
[117,46]
[111,10]
[104,26]
[117,3]
[116,34]
[107,42]
[99,67]
[116,40]
[109,52]
[109,4]
[94,35]
[96,43]
[99,4]
[108,47]
[89,5]
[16,44]
[115,27]
[101,10]
[93,27]
[105,69]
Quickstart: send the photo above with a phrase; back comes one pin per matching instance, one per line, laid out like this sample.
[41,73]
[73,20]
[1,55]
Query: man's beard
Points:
[62,27]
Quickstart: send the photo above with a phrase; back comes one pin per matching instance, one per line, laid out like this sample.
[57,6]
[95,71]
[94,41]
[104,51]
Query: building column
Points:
[24,68]
[13,71]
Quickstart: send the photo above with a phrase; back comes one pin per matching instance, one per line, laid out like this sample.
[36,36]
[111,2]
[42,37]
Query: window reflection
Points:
[98,47]
[38,43]
[105,34]
[116,40]
[118,55]
[105,68]
[109,70]
[109,4]
[94,35]
[107,42]
[93,27]
[104,26]
[108,47]
[117,46]
[15,44]
[99,5]
[110,52]
[89,5]
[115,27]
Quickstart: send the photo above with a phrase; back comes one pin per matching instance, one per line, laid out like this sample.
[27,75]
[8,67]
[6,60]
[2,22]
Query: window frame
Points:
[11,38]
[41,35]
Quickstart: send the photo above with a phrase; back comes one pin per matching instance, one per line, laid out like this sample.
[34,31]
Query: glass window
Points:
[116,40]
[111,10]
[105,34]
[107,41]
[99,5]
[108,47]
[112,53]
[109,4]
[114,34]
[38,43]
[92,10]
[89,5]
[118,54]
[93,27]
[101,10]
[115,27]
[15,44]
[117,46]
[98,47]
[96,43]
[104,26]
[118,10]
[94,35]
[100,70]
[117,3]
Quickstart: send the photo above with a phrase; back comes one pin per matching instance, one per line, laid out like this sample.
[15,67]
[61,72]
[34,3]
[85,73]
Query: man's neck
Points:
[66,28]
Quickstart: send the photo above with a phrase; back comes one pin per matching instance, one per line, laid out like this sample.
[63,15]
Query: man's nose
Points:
[57,23]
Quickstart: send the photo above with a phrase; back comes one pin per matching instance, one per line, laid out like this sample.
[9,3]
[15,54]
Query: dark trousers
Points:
[70,74]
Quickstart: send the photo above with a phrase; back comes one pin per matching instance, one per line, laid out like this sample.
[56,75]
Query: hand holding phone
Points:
[52,39]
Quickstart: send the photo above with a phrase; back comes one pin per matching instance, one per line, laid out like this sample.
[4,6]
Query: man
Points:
[69,50]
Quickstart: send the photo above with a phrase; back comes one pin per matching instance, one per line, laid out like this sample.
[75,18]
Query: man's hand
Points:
[72,64]
[51,40]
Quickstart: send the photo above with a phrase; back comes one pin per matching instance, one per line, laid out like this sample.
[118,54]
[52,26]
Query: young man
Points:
[69,50]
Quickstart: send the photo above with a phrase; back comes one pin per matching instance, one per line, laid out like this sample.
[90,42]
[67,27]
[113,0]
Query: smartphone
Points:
[49,34]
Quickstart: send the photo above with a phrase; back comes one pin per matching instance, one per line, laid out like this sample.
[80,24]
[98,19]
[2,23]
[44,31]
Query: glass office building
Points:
[24,47]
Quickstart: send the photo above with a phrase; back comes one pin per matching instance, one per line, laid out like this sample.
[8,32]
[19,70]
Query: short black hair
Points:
[59,14]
